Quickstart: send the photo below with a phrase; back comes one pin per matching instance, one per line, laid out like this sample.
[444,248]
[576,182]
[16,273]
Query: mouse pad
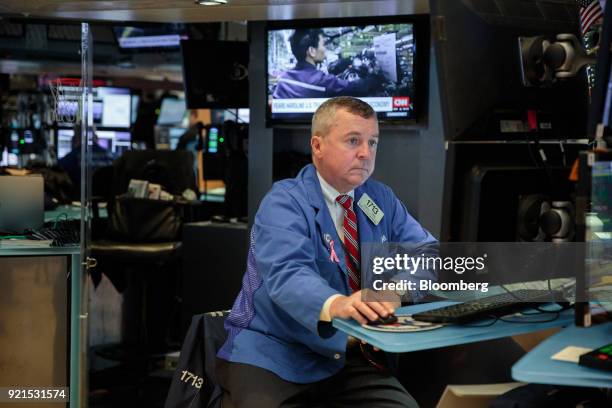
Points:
[404,324]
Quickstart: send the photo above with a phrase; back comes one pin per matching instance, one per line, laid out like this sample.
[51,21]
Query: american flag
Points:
[590,12]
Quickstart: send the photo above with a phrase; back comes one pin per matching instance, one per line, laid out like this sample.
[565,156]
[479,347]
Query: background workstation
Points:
[463,165]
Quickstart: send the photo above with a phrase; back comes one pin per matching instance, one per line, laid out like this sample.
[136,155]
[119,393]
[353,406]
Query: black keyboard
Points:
[496,305]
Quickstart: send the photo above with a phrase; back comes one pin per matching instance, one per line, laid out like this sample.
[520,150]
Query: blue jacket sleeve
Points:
[285,257]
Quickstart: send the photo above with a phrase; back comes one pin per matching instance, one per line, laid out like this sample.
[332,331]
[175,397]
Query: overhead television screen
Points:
[150,36]
[216,74]
[380,60]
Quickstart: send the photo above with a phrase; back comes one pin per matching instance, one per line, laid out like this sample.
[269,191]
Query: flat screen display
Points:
[154,36]
[172,111]
[114,142]
[116,107]
[64,142]
[376,62]
[216,74]
[111,107]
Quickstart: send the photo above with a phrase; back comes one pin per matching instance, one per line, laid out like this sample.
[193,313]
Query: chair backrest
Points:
[194,383]
[170,168]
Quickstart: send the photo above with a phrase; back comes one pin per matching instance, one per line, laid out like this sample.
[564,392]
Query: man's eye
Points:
[373,143]
[353,141]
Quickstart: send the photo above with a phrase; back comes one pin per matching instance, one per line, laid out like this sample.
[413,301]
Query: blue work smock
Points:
[274,323]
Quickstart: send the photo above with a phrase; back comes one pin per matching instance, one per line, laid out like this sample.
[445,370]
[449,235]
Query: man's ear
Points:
[315,145]
[311,51]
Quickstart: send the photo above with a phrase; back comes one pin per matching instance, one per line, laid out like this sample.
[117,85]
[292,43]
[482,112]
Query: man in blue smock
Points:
[306,81]
[303,271]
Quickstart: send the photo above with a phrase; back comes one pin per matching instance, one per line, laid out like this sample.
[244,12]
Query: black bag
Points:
[145,220]
[194,383]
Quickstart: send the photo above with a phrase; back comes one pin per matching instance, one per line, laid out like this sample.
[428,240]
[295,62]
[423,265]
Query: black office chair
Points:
[133,250]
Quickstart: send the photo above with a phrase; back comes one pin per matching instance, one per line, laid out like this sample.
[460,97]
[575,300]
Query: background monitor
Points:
[380,60]
[216,74]
[167,138]
[115,142]
[172,111]
[8,159]
[483,97]
[151,36]
[115,105]
[64,142]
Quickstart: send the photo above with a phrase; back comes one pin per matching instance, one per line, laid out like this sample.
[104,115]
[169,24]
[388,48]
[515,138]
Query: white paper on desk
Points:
[571,354]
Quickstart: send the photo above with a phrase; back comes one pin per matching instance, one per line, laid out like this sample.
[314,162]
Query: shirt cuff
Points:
[324,315]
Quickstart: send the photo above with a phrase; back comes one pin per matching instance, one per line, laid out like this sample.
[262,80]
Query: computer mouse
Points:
[390,319]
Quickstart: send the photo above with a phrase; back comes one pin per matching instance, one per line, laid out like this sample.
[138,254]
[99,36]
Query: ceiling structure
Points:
[187,11]
[153,67]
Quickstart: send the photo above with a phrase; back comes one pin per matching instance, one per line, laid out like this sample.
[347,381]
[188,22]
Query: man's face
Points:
[318,54]
[346,156]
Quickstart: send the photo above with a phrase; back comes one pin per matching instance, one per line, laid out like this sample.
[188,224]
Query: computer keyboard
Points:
[62,233]
[496,305]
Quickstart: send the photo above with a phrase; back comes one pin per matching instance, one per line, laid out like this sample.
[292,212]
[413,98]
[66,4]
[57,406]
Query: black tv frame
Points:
[187,83]
[421,34]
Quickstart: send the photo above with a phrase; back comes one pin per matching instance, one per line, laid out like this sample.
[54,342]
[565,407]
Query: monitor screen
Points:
[114,142]
[219,82]
[8,159]
[375,60]
[172,111]
[64,142]
[167,138]
[151,36]
[114,106]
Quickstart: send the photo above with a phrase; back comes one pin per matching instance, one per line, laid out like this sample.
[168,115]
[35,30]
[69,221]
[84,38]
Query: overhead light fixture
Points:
[211,2]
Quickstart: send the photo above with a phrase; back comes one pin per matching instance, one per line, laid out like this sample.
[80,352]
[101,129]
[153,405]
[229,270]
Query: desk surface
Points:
[40,251]
[537,366]
[450,335]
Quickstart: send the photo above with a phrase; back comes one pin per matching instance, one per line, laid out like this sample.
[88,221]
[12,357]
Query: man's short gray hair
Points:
[323,116]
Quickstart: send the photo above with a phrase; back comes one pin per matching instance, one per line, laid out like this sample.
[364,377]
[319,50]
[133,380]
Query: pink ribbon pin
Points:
[333,257]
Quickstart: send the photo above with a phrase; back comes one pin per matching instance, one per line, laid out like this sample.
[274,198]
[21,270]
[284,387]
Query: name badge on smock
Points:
[370,208]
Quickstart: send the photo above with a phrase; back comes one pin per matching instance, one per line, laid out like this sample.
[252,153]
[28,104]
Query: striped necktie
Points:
[351,242]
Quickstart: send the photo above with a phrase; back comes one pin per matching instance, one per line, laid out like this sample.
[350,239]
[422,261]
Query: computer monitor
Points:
[167,138]
[115,142]
[116,106]
[64,142]
[480,71]
[172,112]
[8,159]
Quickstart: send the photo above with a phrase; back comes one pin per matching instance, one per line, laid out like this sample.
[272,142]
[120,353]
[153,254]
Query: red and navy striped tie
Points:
[351,242]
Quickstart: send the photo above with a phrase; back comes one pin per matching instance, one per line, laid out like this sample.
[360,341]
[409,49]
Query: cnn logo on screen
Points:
[401,102]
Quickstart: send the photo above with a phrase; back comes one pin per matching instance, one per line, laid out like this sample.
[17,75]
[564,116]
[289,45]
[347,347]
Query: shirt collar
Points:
[329,193]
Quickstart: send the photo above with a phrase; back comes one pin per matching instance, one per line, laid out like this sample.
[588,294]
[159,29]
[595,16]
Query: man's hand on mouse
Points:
[353,307]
